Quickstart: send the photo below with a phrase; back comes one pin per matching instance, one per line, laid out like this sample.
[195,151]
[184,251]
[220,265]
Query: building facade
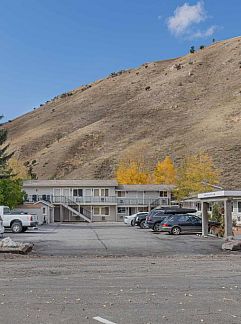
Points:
[95,200]
[44,211]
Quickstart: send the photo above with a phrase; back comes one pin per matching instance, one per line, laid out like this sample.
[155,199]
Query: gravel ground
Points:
[183,286]
[122,290]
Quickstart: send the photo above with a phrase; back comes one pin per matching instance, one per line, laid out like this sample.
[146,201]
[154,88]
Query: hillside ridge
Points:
[177,107]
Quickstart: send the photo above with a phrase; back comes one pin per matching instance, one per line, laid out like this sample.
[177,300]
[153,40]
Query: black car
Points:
[157,216]
[140,220]
[184,223]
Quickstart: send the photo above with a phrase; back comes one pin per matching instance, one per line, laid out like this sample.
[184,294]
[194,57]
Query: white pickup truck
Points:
[17,221]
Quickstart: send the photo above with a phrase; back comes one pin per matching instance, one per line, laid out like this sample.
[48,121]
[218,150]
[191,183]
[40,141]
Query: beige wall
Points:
[111,217]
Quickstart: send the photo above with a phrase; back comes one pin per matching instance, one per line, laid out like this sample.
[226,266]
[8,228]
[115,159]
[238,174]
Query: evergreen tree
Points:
[11,193]
[5,172]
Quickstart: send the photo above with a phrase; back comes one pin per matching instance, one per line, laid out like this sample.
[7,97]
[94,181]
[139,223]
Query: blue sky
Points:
[48,47]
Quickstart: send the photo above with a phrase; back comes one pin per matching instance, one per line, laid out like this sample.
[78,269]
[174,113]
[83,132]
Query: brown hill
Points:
[176,106]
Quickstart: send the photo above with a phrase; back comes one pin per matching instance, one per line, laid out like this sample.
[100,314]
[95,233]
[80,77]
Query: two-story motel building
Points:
[94,200]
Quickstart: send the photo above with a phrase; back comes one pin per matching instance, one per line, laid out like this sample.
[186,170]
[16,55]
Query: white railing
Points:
[119,201]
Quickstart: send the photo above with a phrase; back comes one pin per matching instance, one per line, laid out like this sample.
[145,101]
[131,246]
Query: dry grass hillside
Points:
[177,107]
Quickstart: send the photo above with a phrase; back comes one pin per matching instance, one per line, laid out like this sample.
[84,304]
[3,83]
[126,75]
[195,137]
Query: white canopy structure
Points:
[218,196]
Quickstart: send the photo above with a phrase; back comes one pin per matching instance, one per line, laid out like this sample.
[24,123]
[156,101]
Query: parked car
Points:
[1,227]
[157,216]
[184,223]
[18,222]
[130,220]
[140,220]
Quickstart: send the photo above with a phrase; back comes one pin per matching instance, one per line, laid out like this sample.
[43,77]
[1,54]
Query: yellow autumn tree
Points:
[134,166]
[133,173]
[196,174]
[18,169]
[165,172]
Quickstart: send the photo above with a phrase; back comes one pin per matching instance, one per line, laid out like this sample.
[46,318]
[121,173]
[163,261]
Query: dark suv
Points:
[184,223]
[157,216]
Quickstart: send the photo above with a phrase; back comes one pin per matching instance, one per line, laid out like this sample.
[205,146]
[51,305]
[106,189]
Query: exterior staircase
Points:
[85,215]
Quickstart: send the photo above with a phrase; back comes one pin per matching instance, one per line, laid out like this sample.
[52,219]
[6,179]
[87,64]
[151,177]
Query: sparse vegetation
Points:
[192,50]
[30,166]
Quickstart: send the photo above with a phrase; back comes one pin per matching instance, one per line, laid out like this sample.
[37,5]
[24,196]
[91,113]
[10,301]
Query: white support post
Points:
[228,224]
[205,218]
[61,214]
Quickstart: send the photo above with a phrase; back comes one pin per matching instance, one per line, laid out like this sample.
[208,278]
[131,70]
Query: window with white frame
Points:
[163,194]
[121,210]
[101,192]
[101,211]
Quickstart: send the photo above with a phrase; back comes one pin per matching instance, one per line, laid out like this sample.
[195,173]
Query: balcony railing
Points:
[153,202]
[85,199]
[120,201]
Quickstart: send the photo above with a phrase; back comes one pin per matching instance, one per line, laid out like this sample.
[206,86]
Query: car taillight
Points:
[164,225]
[30,218]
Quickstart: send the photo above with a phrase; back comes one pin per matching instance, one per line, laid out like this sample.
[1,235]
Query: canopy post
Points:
[205,206]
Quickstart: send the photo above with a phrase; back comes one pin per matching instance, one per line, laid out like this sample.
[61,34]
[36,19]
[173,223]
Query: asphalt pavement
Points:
[117,239]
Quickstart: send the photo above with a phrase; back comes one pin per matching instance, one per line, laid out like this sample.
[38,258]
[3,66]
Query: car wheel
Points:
[156,227]
[133,222]
[176,230]
[16,227]
[142,224]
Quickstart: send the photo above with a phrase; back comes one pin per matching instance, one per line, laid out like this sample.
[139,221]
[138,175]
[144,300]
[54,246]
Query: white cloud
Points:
[185,17]
[205,33]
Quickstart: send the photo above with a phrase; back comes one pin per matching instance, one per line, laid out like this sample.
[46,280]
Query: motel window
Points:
[102,192]
[239,206]
[77,192]
[121,210]
[121,193]
[163,193]
[96,211]
[101,211]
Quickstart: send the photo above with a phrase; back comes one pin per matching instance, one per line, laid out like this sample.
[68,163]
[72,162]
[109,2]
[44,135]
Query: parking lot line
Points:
[102,320]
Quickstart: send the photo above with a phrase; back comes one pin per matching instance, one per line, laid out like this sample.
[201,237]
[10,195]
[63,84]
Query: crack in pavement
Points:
[98,238]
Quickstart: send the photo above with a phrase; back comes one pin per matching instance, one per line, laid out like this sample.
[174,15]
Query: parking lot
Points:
[115,239]
[115,274]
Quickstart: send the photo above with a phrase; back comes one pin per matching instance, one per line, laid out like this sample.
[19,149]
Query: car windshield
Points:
[152,212]
[6,210]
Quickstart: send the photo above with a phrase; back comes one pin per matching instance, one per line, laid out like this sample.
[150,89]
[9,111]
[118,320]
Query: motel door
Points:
[88,194]
[66,194]
[57,195]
